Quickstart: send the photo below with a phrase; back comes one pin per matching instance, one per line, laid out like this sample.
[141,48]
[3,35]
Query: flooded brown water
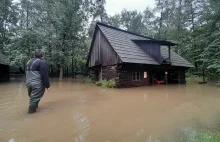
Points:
[76,112]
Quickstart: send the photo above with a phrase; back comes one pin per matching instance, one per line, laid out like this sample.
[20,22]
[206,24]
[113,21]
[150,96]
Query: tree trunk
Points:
[24,68]
[203,74]
[61,74]
[72,69]
[67,71]
[75,70]
[161,20]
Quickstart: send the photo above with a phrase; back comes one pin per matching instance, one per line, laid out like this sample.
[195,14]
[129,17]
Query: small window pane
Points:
[136,76]
[133,78]
[145,74]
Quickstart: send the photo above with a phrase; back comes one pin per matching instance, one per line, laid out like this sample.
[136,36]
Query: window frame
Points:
[136,76]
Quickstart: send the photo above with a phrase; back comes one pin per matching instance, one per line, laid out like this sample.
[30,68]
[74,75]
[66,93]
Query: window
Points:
[136,76]
[145,74]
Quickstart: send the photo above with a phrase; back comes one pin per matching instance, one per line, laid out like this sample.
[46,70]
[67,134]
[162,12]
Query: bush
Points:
[88,80]
[218,83]
[106,83]
[193,78]
[205,136]
[192,135]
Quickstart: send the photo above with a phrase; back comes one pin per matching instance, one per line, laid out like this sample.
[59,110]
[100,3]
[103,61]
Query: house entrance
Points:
[163,77]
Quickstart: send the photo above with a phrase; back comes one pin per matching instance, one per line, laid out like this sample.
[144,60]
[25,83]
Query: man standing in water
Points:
[36,79]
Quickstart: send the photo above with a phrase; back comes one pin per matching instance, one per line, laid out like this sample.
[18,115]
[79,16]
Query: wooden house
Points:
[133,60]
[4,67]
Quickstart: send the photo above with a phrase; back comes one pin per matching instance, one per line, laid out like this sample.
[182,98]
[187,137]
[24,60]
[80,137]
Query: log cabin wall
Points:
[93,74]
[110,72]
[125,80]
[125,76]
[181,77]
[102,52]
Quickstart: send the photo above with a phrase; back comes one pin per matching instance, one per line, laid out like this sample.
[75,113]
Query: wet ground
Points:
[76,112]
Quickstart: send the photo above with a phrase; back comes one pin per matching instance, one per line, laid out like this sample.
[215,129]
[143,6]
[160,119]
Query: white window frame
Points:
[135,76]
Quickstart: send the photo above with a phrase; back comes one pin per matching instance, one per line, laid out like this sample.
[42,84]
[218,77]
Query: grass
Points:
[191,135]
[218,83]
[205,136]
[88,81]
[193,78]
[103,83]
[106,83]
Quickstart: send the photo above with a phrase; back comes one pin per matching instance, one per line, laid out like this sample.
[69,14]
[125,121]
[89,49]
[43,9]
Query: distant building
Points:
[4,67]
[132,59]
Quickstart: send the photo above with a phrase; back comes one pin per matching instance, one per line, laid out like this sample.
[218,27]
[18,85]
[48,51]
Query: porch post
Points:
[101,73]
[179,77]
[166,73]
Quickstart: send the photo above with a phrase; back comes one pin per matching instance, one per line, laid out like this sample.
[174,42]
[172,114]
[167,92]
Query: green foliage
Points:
[195,135]
[205,136]
[57,27]
[88,80]
[106,83]
[218,83]
[61,29]
[193,78]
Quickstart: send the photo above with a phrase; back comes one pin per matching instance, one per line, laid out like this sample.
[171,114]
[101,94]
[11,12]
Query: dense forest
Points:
[64,28]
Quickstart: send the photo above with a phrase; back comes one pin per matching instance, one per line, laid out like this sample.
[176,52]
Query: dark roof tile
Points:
[129,52]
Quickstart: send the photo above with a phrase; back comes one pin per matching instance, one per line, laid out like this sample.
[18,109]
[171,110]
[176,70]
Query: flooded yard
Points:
[76,112]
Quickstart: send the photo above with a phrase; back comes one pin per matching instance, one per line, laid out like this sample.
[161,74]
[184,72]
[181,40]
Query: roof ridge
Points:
[118,29]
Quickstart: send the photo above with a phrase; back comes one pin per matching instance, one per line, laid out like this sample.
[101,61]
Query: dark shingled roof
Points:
[129,52]
[3,59]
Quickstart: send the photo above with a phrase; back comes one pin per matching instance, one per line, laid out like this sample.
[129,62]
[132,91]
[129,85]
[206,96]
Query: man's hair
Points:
[39,53]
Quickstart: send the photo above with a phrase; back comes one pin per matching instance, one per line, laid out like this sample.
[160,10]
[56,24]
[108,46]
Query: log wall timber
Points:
[122,74]
[102,52]
[93,74]
[110,72]
[125,79]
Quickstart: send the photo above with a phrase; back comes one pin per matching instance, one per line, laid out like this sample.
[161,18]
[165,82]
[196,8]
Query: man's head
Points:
[39,54]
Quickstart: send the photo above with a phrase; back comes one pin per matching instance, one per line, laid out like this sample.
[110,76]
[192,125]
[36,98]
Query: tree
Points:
[8,20]
[132,21]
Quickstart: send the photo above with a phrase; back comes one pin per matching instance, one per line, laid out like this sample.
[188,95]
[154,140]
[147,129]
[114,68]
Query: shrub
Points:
[193,78]
[88,80]
[218,83]
[106,83]
[205,136]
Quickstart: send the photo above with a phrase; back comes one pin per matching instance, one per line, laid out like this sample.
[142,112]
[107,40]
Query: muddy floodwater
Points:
[77,112]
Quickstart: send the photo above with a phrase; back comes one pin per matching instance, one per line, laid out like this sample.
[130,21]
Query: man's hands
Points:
[48,89]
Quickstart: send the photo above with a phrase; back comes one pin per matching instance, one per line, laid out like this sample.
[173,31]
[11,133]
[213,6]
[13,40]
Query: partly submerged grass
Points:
[197,136]
[205,136]
[193,79]
[106,83]
[103,83]
[88,80]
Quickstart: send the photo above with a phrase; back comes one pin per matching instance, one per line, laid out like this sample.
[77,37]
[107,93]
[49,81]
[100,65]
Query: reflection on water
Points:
[82,126]
[73,111]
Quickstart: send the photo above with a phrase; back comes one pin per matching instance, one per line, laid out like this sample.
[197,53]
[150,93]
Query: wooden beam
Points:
[72,69]
[101,73]
[203,74]
[166,79]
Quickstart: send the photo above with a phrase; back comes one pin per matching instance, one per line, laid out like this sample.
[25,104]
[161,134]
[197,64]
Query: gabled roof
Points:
[3,59]
[123,43]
